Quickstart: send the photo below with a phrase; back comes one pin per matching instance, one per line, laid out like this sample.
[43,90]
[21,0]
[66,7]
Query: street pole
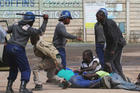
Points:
[84,20]
[128,20]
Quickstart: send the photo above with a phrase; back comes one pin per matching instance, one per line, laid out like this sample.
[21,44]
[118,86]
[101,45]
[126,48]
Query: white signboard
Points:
[9,8]
[90,10]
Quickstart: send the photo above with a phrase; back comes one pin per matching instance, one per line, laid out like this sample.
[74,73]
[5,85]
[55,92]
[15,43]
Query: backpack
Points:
[47,48]
[42,48]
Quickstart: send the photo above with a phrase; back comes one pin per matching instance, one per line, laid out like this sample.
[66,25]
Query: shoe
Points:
[107,81]
[37,87]
[65,84]
[9,87]
[23,88]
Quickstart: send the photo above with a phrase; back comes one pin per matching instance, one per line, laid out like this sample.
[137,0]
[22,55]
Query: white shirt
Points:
[85,65]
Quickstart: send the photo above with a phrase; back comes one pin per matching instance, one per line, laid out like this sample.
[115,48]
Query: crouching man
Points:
[50,59]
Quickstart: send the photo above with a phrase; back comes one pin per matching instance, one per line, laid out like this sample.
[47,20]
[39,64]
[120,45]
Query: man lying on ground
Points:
[78,81]
[92,76]
[112,80]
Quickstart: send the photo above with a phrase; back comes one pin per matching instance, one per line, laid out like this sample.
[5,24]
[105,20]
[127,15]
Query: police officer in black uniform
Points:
[15,50]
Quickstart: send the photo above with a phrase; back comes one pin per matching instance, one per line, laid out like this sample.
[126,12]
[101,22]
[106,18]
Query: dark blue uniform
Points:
[15,49]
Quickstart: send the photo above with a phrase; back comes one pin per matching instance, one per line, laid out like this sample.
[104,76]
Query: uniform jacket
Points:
[21,32]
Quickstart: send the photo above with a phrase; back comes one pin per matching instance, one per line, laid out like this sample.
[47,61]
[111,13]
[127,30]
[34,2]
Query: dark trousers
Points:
[62,53]
[114,60]
[17,59]
[100,53]
[79,82]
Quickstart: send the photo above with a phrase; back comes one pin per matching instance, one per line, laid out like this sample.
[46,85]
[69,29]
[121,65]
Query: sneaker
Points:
[37,87]
[107,81]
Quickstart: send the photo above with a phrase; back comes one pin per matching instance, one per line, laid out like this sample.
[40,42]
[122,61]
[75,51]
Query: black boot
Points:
[9,87]
[23,88]
[37,87]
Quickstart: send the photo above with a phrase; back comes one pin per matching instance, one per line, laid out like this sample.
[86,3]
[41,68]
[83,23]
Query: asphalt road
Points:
[130,63]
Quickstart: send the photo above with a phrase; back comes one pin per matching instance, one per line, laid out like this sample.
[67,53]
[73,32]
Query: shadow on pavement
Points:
[4,91]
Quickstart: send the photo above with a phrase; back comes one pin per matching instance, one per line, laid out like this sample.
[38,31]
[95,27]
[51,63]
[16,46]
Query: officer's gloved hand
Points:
[45,17]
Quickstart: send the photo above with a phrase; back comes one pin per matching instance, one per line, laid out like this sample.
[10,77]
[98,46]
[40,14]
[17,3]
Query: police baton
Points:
[5,21]
[28,15]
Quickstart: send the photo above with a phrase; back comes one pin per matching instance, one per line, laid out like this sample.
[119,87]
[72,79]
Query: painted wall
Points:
[116,10]
[9,8]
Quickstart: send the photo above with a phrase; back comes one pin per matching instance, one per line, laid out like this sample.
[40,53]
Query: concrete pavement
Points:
[131,68]
[51,88]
